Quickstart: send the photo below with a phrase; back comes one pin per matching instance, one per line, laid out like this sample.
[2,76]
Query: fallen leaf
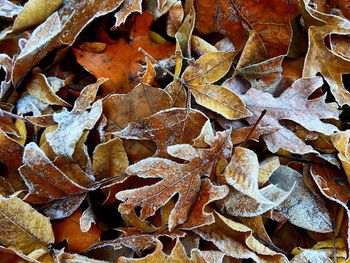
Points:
[9,9]
[178,254]
[302,207]
[293,104]
[57,30]
[320,59]
[127,8]
[120,62]
[35,12]
[181,126]
[69,229]
[151,198]
[110,159]
[82,117]
[47,183]
[22,227]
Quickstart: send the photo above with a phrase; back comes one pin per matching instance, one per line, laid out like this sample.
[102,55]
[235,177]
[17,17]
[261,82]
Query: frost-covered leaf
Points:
[185,180]
[302,207]
[166,128]
[294,105]
[47,184]
[71,125]
[237,241]
[61,28]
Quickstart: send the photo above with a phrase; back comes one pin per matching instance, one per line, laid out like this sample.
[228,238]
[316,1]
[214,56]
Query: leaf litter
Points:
[174,131]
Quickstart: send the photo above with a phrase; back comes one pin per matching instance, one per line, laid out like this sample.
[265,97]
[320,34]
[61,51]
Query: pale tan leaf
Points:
[302,207]
[110,159]
[243,172]
[22,227]
[139,103]
[267,167]
[208,68]
[174,19]
[9,9]
[221,100]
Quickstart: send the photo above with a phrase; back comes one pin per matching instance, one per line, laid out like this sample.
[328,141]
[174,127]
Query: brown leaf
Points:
[236,18]
[165,128]
[69,229]
[178,254]
[127,8]
[59,29]
[320,59]
[140,103]
[47,183]
[110,159]
[237,241]
[151,198]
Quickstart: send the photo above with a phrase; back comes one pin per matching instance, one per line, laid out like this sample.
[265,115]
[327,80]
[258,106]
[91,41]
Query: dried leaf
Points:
[140,103]
[110,159]
[127,7]
[293,104]
[178,254]
[71,125]
[237,241]
[57,30]
[69,229]
[302,207]
[47,183]
[181,126]
[151,198]
[35,12]
[9,9]
[120,62]
[22,227]
[174,19]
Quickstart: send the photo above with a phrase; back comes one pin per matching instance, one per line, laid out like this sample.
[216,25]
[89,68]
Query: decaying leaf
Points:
[302,207]
[82,117]
[120,62]
[178,254]
[22,227]
[47,183]
[293,104]
[151,198]
[165,128]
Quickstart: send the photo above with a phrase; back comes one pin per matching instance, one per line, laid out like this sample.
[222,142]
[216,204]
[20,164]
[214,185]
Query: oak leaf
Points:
[120,61]
[237,18]
[178,254]
[184,179]
[293,104]
[82,117]
[22,227]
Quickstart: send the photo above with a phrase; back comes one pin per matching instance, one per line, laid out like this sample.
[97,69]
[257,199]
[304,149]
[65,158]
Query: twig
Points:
[253,128]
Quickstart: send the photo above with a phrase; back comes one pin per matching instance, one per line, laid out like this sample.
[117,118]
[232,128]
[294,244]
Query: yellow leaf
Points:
[35,12]
[110,159]
[221,100]
[22,227]
[208,68]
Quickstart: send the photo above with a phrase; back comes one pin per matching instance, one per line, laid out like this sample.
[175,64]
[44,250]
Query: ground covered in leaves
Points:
[174,131]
